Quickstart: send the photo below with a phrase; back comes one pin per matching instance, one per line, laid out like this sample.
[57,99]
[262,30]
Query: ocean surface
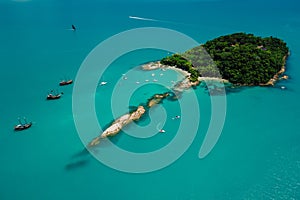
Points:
[256,157]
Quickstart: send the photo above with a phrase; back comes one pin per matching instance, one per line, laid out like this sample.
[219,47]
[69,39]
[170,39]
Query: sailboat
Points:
[22,126]
[53,96]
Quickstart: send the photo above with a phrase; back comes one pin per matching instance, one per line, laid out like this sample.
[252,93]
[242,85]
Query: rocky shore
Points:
[279,75]
[126,119]
[118,124]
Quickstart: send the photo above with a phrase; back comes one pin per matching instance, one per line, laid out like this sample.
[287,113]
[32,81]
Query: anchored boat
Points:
[64,82]
[22,126]
[53,96]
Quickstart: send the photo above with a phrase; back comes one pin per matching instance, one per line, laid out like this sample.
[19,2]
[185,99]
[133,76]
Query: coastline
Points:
[185,83]
[278,76]
[157,65]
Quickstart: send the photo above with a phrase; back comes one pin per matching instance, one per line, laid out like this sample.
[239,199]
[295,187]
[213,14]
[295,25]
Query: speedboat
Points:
[162,131]
[62,83]
[103,83]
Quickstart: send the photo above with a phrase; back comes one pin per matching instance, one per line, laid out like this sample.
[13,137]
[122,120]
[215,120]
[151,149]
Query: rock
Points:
[118,124]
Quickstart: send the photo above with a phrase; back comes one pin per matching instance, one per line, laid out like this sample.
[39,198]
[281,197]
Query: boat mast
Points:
[20,122]
[25,120]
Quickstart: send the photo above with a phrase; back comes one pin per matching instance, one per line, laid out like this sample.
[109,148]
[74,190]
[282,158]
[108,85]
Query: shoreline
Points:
[157,65]
[277,77]
[185,83]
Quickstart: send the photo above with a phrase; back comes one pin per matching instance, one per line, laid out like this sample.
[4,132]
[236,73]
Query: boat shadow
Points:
[76,165]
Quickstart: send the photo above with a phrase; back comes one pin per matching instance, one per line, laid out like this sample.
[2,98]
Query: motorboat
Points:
[103,83]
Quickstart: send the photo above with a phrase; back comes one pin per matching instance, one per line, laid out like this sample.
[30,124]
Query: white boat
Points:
[103,83]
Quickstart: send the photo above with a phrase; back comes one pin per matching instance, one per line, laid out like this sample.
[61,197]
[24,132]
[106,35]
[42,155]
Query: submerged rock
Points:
[156,99]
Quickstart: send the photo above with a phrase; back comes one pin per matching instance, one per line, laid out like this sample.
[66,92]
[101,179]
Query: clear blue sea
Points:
[256,157]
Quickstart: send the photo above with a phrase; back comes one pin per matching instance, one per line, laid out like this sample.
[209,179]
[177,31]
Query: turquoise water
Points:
[256,157]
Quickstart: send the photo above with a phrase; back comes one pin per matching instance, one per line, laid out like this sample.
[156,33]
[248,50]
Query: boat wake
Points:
[158,20]
[144,19]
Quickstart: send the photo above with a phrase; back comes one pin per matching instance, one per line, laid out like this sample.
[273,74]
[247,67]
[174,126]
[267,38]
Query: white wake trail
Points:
[156,20]
[142,18]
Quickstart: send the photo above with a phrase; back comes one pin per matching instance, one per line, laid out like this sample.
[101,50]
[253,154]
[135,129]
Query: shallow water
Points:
[256,157]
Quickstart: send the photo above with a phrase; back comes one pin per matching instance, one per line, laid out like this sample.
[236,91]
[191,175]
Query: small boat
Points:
[64,82]
[53,96]
[283,87]
[103,83]
[176,117]
[162,131]
[73,28]
[22,126]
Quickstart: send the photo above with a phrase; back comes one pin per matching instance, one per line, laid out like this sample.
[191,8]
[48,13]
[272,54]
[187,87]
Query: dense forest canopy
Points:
[240,58]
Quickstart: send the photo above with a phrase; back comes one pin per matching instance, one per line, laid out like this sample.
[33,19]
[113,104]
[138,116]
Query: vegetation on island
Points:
[240,58]
[180,62]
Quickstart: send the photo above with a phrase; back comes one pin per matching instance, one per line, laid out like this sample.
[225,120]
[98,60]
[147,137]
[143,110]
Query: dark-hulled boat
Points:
[53,96]
[62,83]
[22,126]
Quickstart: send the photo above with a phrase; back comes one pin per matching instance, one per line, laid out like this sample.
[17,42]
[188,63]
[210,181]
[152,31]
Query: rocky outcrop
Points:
[118,124]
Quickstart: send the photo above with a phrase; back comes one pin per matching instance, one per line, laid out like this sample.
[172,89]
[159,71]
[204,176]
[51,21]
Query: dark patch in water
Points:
[82,153]
[76,165]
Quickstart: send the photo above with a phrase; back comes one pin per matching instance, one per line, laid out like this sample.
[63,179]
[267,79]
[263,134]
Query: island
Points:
[238,59]
[241,59]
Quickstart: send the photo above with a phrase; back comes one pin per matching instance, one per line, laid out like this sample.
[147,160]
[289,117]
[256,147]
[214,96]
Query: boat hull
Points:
[63,83]
[22,127]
